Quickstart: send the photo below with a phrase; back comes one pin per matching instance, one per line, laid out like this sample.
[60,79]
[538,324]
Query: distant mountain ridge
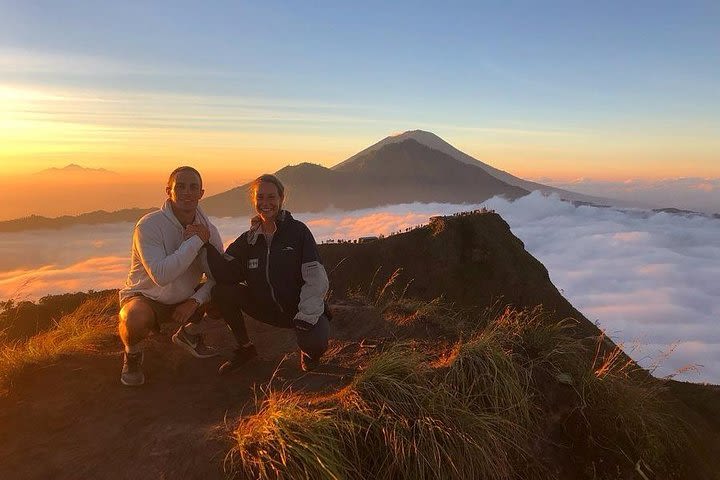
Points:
[415,166]
[74,168]
[37,222]
[400,172]
[435,142]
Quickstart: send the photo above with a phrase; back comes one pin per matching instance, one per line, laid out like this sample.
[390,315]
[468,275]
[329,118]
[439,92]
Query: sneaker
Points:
[241,357]
[132,374]
[193,344]
[307,363]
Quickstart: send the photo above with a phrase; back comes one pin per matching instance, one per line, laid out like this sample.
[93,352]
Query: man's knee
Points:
[136,317]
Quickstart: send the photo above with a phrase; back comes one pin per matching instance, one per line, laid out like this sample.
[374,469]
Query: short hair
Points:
[269,179]
[174,173]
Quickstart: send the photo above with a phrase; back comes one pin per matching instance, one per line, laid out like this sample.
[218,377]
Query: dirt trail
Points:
[74,420]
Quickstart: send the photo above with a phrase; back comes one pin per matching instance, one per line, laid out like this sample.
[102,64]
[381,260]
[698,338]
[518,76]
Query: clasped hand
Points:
[196,229]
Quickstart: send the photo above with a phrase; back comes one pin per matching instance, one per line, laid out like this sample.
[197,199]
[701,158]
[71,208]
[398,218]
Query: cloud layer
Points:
[649,280]
[691,193]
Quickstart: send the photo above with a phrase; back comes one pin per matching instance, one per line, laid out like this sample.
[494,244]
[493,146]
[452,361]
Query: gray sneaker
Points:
[132,374]
[193,344]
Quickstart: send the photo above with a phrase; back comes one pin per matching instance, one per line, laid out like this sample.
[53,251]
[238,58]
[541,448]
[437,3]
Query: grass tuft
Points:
[534,335]
[393,380]
[434,317]
[629,411]
[288,439]
[489,378]
[396,420]
[388,284]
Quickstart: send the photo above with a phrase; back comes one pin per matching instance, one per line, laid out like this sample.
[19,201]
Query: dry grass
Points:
[388,284]
[534,335]
[629,411]
[380,295]
[287,439]
[394,421]
[470,409]
[81,331]
[435,317]
[489,378]
[392,381]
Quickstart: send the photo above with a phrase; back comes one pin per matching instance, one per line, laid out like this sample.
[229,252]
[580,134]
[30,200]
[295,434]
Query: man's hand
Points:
[184,311]
[188,232]
[196,229]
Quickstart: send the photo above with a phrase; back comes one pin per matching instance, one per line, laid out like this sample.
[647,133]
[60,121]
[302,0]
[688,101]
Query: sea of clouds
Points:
[689,193]
[650,280]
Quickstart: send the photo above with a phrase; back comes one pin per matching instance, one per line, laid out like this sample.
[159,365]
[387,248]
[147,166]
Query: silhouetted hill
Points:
[433,141]
[37,222]
[679,211]
[402,172]
[471,259]
[75,169]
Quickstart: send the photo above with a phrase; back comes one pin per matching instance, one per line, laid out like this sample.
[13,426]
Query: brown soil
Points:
[74,420]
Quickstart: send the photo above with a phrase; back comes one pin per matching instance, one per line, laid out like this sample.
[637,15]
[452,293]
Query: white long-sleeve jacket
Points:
[163,266]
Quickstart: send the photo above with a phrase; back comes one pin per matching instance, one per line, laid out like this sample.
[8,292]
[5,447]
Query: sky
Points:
[563,90]
[649,280]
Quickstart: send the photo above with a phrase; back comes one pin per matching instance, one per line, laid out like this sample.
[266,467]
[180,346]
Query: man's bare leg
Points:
[136,321]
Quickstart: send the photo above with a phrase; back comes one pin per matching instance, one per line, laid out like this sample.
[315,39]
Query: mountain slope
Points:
[435,142]
[402,172]
[469,259]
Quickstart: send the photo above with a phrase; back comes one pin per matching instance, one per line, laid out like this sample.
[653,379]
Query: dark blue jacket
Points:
[287,274]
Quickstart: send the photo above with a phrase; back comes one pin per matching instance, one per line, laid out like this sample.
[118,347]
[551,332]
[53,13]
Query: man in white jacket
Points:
[167,265]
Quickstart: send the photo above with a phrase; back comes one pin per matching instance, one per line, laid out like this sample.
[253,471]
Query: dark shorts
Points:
[162,311]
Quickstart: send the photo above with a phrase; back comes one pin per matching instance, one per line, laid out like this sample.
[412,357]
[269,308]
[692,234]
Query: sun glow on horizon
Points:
[231,139]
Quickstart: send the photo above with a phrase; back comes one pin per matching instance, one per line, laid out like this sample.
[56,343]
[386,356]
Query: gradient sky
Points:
[607,90]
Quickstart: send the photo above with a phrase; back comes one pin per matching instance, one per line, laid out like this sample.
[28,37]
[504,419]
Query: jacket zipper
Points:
[267,273]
